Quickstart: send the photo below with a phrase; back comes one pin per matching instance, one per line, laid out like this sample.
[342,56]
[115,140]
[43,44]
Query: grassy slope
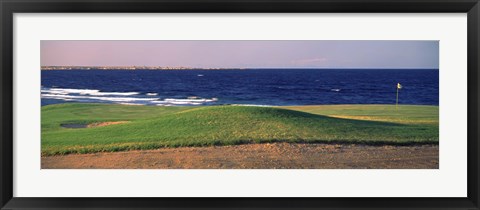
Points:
[154,127]
[406,114]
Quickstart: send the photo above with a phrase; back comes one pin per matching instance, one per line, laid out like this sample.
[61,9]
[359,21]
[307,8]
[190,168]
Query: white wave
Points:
[116,99]
[181,102]
[189,100]
[115,94]
[66,91]
[184,101]
[90,95]
[260,105]
[124,99]
[131,104]
[335,90]
[160,102]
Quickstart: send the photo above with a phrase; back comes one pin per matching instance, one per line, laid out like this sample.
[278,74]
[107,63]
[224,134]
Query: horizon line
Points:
[188,67]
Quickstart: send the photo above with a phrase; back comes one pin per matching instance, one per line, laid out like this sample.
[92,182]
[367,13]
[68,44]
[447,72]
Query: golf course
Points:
[79,128]
[239,104]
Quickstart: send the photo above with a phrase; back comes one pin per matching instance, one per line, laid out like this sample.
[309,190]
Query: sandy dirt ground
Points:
[257,156]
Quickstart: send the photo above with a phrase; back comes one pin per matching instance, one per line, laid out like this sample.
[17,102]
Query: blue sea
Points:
[277,87]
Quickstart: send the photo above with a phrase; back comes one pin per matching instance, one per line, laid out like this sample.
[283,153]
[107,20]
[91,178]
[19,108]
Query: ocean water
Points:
[276,87]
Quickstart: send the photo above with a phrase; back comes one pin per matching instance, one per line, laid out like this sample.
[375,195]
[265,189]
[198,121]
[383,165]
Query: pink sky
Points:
[243,54]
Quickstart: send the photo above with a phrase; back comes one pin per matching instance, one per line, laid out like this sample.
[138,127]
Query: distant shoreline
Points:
[166,68]
[46,68]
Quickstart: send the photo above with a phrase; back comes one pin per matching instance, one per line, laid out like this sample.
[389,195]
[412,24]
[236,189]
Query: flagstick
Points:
[396,104]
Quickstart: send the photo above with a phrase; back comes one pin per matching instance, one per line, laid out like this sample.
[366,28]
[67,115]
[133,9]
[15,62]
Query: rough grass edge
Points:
[153,146]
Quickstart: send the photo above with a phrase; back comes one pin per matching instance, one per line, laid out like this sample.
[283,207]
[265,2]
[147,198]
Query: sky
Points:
[243,54]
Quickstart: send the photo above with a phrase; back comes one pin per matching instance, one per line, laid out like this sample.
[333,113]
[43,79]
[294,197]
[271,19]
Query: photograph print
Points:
[239,104]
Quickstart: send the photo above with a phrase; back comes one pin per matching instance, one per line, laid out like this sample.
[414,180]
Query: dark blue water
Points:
[258,87]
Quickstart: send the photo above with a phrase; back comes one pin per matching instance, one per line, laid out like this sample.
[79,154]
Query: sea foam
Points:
[127,98]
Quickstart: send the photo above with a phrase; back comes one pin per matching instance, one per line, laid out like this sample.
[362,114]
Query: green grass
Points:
[155,127]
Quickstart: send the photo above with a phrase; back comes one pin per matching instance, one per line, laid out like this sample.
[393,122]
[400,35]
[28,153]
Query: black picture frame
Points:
[9,7]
